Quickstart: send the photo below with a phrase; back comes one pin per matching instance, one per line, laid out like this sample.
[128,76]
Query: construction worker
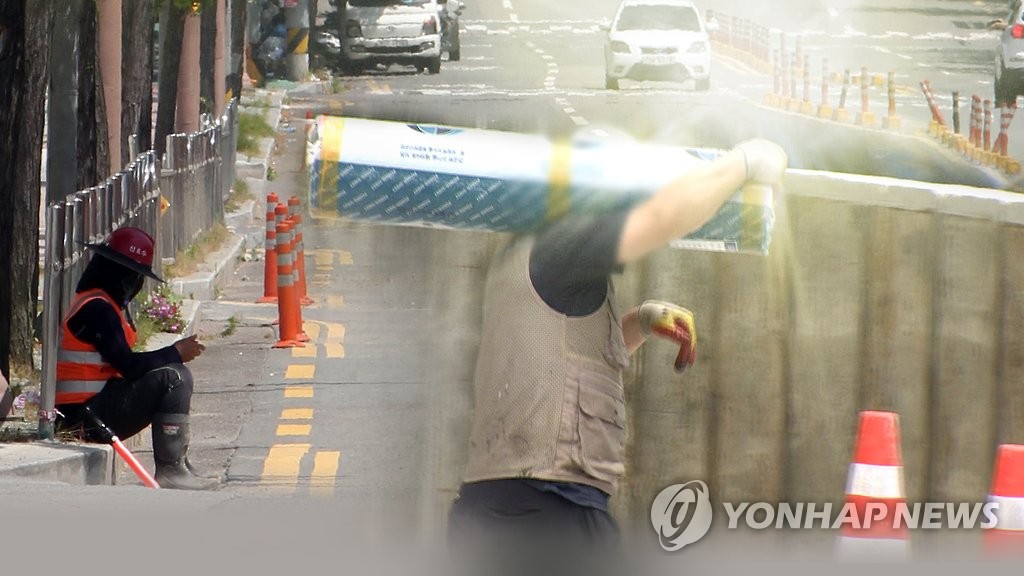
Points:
[126,390]
[548,432]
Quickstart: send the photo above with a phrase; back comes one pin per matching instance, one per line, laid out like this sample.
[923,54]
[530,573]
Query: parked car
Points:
[658,40]
[1009,72]
[392,32]
[449,17]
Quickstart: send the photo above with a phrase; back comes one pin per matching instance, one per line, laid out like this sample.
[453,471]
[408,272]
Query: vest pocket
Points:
[602,429]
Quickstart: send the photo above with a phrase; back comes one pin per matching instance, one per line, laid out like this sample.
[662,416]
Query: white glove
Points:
[765,160]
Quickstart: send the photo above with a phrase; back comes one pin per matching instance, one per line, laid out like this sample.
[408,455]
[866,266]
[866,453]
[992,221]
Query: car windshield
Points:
[368,3]
[654,17]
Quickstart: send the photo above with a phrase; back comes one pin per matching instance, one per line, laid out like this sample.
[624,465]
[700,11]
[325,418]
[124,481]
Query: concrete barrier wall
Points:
[878,294]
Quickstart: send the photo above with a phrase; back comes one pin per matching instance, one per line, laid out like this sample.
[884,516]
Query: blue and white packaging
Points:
[415,174]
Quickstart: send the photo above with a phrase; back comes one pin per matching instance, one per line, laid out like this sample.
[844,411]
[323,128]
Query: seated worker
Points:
[546,447]
[127,390]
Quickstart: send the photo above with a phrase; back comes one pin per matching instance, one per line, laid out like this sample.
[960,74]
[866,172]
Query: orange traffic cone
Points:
[1007,536]
[875,487]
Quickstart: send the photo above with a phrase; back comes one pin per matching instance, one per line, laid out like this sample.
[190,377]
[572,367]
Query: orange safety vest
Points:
[81,370]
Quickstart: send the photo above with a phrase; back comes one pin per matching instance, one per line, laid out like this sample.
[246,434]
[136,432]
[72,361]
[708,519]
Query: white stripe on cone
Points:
[1010,515]
[875,481]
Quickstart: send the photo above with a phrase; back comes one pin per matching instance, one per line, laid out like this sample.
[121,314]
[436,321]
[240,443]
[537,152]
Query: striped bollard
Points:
[270,254]
[1007,536]
[875,484]
[300,252]
[286,301]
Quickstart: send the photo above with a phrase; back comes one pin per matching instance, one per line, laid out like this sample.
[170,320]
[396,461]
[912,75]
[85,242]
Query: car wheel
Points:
[434,65]
[455,50]
[611,83]
[702,84]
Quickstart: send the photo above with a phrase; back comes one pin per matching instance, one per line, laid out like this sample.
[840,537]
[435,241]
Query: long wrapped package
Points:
[381,171]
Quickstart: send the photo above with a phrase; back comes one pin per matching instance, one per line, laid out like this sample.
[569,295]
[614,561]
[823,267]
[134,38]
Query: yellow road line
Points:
[335,331]
[283,463]
[300,372]
[325,473]
[334,350]
[297,414]
[335,301]
[308,351]
[294,429]
[312,329]
[298,392]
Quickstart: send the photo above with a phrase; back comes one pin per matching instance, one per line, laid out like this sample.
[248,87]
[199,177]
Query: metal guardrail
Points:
[196,175]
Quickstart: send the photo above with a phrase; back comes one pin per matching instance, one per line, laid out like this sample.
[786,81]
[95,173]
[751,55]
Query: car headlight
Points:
[698,48]
[620,47]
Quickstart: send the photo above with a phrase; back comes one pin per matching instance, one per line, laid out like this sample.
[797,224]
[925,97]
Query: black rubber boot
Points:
[170,446]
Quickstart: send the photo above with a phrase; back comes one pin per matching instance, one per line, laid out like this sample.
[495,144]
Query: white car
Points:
[404,32]
[658,40]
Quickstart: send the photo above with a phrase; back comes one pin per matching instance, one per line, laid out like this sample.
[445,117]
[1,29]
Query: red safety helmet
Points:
[131,248]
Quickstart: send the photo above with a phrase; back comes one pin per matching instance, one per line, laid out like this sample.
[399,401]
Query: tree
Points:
[137,71]
[25,27]
[93,148]
[172,27]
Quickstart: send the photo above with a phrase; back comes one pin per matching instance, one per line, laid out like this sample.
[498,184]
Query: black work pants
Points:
[128,406]
[509,528]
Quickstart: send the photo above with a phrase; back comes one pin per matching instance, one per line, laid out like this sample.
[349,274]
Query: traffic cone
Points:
[875,484]
[1007,536]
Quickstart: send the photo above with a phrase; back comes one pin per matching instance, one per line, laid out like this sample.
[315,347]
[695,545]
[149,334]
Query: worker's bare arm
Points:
[685,204]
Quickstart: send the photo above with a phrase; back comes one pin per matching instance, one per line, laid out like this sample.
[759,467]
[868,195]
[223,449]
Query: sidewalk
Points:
[92,464]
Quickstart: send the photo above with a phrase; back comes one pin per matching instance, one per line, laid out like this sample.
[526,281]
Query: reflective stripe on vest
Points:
[81,370]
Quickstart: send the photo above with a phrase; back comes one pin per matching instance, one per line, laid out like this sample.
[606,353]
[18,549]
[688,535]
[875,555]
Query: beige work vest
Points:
[548,387]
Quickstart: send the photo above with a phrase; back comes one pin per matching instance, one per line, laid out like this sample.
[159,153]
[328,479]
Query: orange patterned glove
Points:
[674,323]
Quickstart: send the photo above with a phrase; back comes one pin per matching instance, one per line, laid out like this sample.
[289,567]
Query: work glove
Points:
[673,323]
[765,160]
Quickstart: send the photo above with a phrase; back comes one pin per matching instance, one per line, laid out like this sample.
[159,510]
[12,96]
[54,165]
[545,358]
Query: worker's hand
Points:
[765,160]
[673,323]
[189,348]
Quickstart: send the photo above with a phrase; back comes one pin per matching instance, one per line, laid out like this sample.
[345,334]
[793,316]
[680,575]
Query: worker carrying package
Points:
[380,171]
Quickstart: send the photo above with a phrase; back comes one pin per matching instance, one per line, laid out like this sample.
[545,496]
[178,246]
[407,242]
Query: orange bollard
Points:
[300,253]
[824,109]
[986,131]
[976,121]
[286,302]
[875,486]
[866,117]
[891,120]
[270,254]
[295,301]
[1007,536]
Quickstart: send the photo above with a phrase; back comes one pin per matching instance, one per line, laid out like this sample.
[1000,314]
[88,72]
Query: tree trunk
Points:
[239,9]
[207,46]
[110,22]
[24,69]
[172,25]
[137,72]
[93,153]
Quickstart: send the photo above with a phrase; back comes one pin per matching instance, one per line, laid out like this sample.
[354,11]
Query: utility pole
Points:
[296,19]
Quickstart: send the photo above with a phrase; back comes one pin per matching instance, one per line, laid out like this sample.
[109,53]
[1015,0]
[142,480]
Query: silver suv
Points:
[392,32]
[1009,79]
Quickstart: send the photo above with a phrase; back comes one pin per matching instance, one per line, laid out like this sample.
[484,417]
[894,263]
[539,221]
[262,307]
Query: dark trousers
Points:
[508,528]
[128,406]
